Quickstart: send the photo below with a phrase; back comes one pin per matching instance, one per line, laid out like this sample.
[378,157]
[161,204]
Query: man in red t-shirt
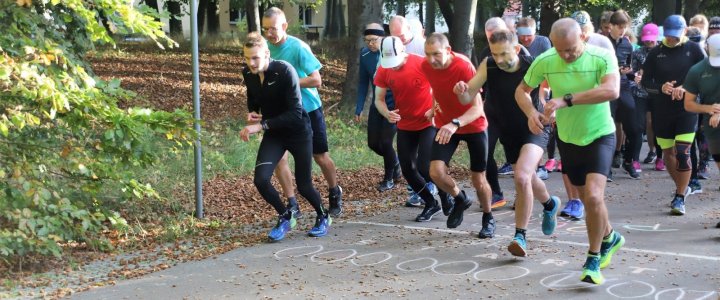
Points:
[401,73]
[456,122]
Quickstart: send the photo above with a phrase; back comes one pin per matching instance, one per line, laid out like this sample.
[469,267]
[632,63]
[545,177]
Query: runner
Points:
[457,121]
[664,70]
[414,43]
[587,78]
[380,132]
[298,54]
[273,92]
[401,73]
[503,71]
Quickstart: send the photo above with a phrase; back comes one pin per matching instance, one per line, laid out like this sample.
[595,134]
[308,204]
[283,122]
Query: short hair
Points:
[503,35]
[563,28]
[700,21]
[693,31]
[494,23]
[620,17]
[255,39]
[526,22]
[437,37]
[273,11]
[605,17]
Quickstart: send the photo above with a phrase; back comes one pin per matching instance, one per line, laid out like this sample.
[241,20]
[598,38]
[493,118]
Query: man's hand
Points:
[713,109]
[254,117]
[429,114]
[357,118]
[249,130]
[536,122]
[667,88]
[714,120]
[551,107]
[638,77]
[460,88]
[678,93]
[393,116]
[624,70]
[445,133]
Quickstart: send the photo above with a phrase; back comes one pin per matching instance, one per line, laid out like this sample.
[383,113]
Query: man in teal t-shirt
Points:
[585,78]
[298,54]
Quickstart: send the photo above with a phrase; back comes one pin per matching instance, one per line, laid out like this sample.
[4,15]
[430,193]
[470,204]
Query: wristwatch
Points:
[456,122]
[568,99]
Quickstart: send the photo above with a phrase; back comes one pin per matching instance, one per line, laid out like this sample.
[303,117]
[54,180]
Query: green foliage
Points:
[67,150]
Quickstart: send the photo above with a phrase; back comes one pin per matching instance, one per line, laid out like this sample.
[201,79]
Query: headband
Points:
[525,31]
[377,32]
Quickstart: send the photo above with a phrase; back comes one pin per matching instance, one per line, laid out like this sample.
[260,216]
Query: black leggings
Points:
[414,148]
[552,142]
[491,171]
[272,148]
[625,111]
[380,135]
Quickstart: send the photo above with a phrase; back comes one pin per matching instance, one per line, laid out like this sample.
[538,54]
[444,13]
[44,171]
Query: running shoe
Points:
[609,247]
[637,166]
[542,173]
[550,165]
[617,160]
[573,209]
[432,188]
[505,169]
[488,228]
[703,171]
[518,246]
[718,225]
[414,200]
[628,167]
[428,213]
[550,217]
[335,200]
[591,270]
[282,227]
[610,176]
[659,165]
[559,166]
[695,186]
[650,158]
[498,200]
[386,185]
[294,209]
[447,203]
[456,216]
[678,206]
[322,224]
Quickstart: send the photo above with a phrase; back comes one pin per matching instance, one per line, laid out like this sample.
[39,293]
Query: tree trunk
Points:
[662,9]
[461,34]
[692,8]
[330,31]
[213,17]
[421,14]
[175,17]
[446,10]
[430,16]
[401,8]
[362,13]
[154,5]
[340,16]
[201,12]
[548,15]
[252,15]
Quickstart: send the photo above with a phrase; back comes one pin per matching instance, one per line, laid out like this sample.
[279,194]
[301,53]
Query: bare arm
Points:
[524,101]
[466,91]
[311,81]
[691,105]
[446,131]
[392,116]
[608,90]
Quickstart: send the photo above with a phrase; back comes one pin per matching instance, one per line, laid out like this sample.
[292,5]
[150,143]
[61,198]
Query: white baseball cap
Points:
[713,45]
[392,52]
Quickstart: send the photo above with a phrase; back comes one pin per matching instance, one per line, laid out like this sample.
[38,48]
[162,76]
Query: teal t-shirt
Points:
[299,55]
[579,124]
[702,80]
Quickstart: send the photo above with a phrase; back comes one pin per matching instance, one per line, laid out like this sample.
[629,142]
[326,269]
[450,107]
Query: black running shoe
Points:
[335,200]
[488,228]
[456,216]
[385,185]
[447,202]
[428,213]
[630,169]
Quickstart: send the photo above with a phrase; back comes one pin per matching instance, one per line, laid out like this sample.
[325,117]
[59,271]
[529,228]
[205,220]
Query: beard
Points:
[508,65]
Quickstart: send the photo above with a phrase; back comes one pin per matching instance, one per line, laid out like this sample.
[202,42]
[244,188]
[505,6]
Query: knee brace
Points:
[682,150]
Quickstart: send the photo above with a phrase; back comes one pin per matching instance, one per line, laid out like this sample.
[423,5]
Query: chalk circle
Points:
[555,281]
[298,251]
[324,258]
[470,263]
[432,261]
[386,255]
[577,229]
[500,273]
[631,286]
[681,294]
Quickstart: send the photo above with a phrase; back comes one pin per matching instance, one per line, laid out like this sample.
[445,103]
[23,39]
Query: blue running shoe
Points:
[283,227]
[678,206]
[609,247]
[542,173]
[591,271]
[414,200]
[573,209]
[432,188]
[550,217]
[506,169]
[695,186]
[322,224]
[518,246]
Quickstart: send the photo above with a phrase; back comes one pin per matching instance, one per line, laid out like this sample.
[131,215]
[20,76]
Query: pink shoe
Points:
[550,165]
[637,166]
[659,165]
[559,166]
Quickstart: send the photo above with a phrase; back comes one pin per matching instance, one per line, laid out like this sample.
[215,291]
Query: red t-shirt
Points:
[411,91]
[442,83]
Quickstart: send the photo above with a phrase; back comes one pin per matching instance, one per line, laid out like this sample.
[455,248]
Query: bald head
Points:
[495,23]
[374,26]
[566,39]
[565,28]
[399,27]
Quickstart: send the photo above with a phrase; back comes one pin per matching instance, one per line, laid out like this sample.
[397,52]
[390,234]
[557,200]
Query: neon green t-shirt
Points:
[579,124]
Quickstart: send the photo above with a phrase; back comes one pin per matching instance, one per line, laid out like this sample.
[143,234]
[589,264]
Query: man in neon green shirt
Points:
[586,78]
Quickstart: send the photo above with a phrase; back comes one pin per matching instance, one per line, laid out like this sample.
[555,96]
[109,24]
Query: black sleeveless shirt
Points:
[501,95]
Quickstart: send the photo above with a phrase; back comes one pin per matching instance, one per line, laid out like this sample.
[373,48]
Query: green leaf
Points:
[5,72]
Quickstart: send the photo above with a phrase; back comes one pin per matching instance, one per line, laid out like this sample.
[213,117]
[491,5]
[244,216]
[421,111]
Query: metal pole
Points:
[196,106]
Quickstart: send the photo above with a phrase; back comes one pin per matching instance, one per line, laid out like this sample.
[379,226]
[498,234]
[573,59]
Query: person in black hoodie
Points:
[665,69]
[275,107]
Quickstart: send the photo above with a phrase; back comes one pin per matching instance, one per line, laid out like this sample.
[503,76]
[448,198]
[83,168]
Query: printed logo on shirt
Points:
[661,55]
[271,82]
[706,75]
[417,82]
